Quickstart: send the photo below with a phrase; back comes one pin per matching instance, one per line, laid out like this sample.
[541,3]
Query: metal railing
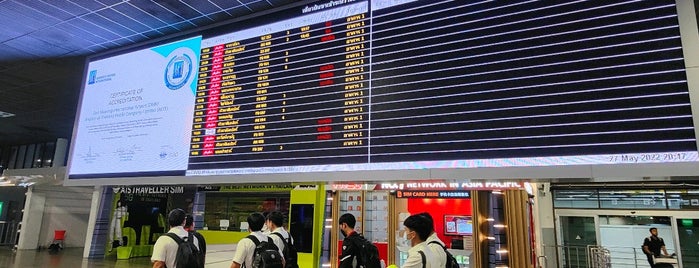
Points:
[8,233]
[593,256]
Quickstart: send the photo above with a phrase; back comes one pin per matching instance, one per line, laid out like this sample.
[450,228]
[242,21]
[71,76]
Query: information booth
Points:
[381,208]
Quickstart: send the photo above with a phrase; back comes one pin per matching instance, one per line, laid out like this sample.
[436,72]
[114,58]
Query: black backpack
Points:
[368,253]
[188,256]
[290,252]
[202,246]
[266,254]
[451,261]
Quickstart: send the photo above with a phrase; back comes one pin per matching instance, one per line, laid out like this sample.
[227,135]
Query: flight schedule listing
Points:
[292,93]
[368,85]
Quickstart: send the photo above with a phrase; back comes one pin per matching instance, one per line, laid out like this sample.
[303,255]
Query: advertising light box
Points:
[394,85]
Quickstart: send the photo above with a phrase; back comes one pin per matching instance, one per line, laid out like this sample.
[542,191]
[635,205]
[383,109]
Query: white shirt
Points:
[415,259]
[246,248]
[278,241]
[437,251]
[165,248]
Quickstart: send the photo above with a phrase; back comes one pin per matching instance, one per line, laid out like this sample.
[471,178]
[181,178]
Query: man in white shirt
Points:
[245,249]
[432,240]
[418,230]
[165,248]
[275,222]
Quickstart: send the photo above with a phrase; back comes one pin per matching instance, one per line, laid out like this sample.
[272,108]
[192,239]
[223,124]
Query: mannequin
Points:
[121,212]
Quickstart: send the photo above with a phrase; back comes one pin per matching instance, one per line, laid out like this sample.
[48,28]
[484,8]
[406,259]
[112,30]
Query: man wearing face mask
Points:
[350,251]
[434,244]
[418,229]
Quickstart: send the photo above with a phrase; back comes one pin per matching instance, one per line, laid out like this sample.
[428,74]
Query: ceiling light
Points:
[6,114]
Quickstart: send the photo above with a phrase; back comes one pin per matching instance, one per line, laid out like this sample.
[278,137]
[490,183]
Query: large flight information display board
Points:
[381,85]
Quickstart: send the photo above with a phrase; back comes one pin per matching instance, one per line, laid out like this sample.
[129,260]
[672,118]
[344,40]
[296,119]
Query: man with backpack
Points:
[357,251]
[438,247]
[282,239]
[418,228]
[189,227]
[178,248]
[257,250]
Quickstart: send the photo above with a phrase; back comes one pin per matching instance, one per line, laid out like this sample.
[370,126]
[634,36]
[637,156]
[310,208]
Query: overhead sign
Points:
[433,194]
[441,185]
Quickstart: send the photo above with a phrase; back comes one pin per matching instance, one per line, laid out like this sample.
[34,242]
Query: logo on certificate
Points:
[178,71]
[92,77]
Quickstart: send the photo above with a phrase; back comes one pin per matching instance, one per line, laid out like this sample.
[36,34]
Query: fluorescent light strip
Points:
[6,114]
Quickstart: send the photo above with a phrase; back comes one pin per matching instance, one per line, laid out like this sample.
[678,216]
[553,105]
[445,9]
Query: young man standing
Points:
[433,242]
[165,248]
[245,250]
[189,227]
[350,252]
[274,223]
[652,246]
[419,228]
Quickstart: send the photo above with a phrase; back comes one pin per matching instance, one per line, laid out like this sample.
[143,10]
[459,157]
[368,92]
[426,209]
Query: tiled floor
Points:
[218,256]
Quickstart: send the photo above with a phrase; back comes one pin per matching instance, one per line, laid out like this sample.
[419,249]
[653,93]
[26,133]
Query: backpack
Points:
[202,246]
[451,261]
[266,254]
[290,253]
[368,253]
[188,256]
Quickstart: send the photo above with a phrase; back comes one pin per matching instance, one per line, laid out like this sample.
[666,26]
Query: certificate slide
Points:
[136,111]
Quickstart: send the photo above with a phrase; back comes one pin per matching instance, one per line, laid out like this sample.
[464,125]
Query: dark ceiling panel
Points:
[204,7]
[91,5]
[226,4]
[77,31]
[10,54]
[112,27]
[257,6]
[152,34]
[12,28]
[157,11]
[50,10]
[25,14]
[35,46]
[110,2]
[141,16]
[201,21]
[67,6]
[94,29]
[125,21]
[183,11]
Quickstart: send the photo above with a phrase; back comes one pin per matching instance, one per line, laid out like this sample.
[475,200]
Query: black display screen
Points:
[383,85]
[449,80]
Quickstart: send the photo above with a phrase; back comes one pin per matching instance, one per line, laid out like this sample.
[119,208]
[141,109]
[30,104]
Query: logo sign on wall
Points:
[149,189]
